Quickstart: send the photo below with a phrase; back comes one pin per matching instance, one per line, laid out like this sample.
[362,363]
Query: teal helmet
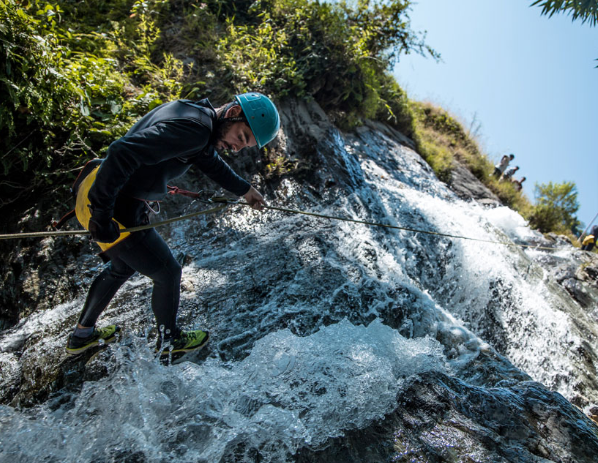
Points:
[261,115]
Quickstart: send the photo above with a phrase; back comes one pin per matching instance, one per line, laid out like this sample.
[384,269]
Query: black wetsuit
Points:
[161,146]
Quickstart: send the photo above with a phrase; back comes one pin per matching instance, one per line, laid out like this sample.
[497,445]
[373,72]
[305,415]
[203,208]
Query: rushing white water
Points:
[315,324]
[289,392]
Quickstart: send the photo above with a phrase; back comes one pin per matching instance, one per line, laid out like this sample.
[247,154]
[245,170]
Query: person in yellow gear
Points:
[590,240]
[161,146]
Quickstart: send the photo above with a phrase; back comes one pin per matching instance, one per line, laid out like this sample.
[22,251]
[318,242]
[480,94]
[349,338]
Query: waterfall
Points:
[318,327]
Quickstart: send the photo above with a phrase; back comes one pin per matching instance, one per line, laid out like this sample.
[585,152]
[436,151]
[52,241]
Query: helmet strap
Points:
[236,119]
[223,117]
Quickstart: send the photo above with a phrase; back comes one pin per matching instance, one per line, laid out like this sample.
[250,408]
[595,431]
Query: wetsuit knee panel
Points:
[171,271]
[119,270]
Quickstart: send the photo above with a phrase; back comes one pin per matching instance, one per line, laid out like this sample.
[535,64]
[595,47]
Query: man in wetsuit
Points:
[161,146]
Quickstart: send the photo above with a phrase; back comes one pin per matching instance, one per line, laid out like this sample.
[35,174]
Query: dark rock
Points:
[560,240]
[577,290]
[441,418]
[467,186]
[590,273]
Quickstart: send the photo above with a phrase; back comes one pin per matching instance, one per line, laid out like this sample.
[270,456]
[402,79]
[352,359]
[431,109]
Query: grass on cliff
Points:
[441,140]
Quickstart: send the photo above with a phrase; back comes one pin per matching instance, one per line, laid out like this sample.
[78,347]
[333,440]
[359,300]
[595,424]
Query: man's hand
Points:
[254,199]
[102,228]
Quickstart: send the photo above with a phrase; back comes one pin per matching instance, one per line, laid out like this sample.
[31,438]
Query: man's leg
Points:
[102,291]
[151,257]
[100,294]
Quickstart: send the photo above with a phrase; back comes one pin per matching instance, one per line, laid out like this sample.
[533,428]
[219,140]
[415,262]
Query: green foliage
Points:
[438,156]
[556,206]
[394,106]
[278,165]
[585,10]
[336,53]
[74,80]
[78,74]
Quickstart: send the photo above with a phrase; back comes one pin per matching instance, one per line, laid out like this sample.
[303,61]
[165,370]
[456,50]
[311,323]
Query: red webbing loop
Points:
[175,190]
[63,220]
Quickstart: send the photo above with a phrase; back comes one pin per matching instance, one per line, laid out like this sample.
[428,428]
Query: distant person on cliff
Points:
[518,183]
[118,193]
[508,173]
[590,240]
[502,165]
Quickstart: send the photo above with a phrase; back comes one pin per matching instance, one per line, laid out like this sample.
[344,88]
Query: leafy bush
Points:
[585,10]
[441,139]
[555,209]
[64,95]
[78,74]
[336,53]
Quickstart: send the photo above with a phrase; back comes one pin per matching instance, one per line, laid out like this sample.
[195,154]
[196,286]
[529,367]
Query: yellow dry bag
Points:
[82,206]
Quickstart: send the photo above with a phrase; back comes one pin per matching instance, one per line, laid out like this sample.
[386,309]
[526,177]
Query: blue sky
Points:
[529,79]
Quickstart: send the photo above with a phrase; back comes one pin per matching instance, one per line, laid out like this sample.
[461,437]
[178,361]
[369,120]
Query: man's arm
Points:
[160,142]
[219,171]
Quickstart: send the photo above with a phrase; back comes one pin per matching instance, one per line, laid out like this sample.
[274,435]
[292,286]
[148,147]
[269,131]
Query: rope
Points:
[226,202]
[132,229]
[375,224]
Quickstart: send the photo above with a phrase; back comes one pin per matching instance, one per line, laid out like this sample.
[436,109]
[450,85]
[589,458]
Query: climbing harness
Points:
[223,203]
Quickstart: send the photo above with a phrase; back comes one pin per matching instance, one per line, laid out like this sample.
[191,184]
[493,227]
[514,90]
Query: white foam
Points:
[291,391]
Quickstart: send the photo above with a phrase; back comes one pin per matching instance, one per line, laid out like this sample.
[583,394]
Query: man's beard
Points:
[222,129]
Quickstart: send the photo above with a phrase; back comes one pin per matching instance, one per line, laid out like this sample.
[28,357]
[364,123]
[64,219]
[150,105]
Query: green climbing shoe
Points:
[77,345]
[187,341]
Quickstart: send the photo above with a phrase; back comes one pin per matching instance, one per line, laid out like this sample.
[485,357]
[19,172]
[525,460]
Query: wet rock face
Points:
[589,272]
[467,186]
[268,285]
[578,276]
[440,418]
[38,274]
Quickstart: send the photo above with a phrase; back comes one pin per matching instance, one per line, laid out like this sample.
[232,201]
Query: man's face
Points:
[235,137]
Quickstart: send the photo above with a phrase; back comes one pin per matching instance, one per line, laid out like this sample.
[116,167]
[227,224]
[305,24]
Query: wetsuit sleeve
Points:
[219,171]
[160,142]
